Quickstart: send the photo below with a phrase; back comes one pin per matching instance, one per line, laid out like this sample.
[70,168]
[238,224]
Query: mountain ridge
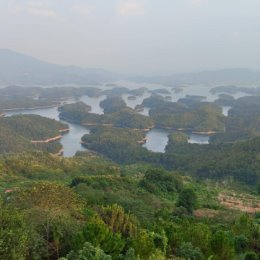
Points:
[18,68]
[221,76]
[22,69]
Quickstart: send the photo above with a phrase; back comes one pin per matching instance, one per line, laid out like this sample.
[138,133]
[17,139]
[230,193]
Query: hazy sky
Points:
[135,36]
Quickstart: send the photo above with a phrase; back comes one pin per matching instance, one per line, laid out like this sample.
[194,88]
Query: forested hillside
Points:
[120,201]
[115,115]
[89,208]
[29,132]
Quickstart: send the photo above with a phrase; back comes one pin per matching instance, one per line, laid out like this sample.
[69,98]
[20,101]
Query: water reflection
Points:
[225,110]
[198,139]
[157,139]
[94,102]
[137,101]
[145,111]
[71,140]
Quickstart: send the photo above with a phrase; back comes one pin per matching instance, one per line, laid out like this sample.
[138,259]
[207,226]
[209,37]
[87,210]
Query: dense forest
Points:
[119,200]
[116,114]
[89,208]
[25,132]
[187,114]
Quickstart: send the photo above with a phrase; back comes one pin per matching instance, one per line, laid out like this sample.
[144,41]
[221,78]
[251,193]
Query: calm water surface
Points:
[198,139]
[94,102]
[225,110]
[157,138]
[71,140]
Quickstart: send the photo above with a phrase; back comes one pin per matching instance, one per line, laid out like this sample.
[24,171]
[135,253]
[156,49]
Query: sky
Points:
[135,36]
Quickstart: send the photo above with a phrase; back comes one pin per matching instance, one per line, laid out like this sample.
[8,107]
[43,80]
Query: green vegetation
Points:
[243,121]
[187,200]
[191,202]
[235,89]
[161,91]
[138,91]
[177,138]
[113,104]
[187,114]
[75,112]
[89,208]
[121,145]
[53,93]
[225,100]
[17,102]
[238,161]
[124,117]
[18,132]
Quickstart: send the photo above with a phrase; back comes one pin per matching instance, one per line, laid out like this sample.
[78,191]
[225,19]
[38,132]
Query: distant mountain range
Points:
[225,76]
[21,69]
[17,68]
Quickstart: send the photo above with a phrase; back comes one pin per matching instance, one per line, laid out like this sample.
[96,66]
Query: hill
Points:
[89,208]
[17,68]
[224,76]
[29,132]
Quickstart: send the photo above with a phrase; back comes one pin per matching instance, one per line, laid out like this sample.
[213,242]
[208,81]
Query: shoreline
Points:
[30,108]
[65,130]
[60,152]
[143,141]
[49,140]
[189,130]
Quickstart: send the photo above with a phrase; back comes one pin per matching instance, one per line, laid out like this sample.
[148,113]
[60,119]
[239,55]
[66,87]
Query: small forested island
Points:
[177,89]
[139,108]
[168,98]
[51,93]
[161,91]
[225,100]
[116,114]
[138,91]
[19,102]
[74,112]
[243,121]
[186,114]
[131,98]
[30,132]
[196,97]
[235,89]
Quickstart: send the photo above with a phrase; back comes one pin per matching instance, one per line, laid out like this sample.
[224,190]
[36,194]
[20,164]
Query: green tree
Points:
[251,256]
[241,243]
[118,220]
[189,252]
[51,210]
[258,189]
[88,252]
[187,199]
[222,246]
[14,237]
[100,235]
[143,244]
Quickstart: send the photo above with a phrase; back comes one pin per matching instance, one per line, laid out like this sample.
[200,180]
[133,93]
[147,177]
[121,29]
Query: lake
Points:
[71,140]
[157,138]
[198,139]
[225,110]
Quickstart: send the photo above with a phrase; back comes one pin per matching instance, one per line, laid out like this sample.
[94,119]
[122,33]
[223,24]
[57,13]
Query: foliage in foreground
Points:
[89,208]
